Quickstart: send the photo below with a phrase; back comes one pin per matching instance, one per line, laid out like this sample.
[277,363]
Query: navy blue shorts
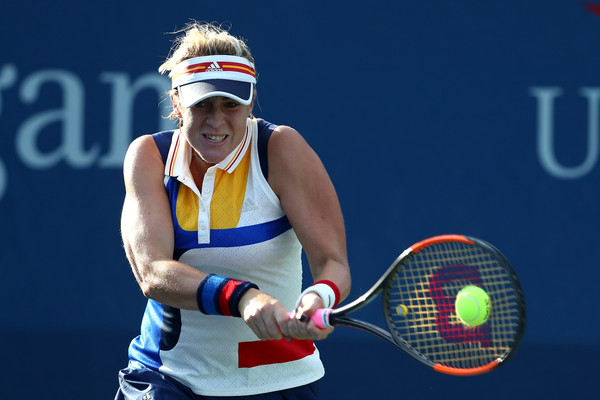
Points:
[146,384]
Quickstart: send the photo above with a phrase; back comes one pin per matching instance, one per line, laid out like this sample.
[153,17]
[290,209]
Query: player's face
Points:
[215,127]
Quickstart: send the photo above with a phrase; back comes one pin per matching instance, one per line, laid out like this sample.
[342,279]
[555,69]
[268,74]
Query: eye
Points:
[201,104]
[231,104]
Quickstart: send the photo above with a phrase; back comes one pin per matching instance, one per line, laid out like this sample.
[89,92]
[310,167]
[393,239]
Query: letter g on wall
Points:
[8,77]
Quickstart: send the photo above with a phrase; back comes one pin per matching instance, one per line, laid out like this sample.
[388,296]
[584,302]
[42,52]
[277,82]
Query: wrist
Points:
[217,295]
[326,290]
[337,296]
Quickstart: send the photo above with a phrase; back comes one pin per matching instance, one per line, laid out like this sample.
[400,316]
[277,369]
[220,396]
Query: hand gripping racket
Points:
[419,291]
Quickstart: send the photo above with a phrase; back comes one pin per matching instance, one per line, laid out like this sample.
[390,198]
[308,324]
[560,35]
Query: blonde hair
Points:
[198,39]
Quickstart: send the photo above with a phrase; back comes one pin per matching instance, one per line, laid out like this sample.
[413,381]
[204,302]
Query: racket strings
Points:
[427,285]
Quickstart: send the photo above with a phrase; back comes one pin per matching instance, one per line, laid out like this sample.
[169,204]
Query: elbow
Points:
[149,290]
[149,286]
[345,291]
[345,279]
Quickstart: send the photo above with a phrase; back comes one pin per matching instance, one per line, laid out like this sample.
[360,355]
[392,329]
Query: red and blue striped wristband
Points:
[217,295]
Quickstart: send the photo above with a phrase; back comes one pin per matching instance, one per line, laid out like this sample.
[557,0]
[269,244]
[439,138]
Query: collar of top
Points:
[180,153]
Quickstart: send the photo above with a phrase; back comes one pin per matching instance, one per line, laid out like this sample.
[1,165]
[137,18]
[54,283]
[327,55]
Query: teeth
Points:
[215,139]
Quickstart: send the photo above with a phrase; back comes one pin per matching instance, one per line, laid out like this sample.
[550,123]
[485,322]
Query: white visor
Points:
[202,77]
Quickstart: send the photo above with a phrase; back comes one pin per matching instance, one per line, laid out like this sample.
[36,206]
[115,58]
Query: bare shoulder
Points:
[142,162]
[291,160]
[141,148]
[284,136]
[286,142]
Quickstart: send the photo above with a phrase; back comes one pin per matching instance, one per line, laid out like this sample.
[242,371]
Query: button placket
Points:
[208,185]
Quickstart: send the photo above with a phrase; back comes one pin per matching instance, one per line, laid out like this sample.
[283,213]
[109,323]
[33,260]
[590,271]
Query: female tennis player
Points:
[215,217]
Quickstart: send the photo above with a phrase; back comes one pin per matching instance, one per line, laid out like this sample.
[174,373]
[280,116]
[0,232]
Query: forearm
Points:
[179,285]
[168,281]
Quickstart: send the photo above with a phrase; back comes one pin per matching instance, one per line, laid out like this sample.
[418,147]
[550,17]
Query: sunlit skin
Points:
[214,127]
[194,196]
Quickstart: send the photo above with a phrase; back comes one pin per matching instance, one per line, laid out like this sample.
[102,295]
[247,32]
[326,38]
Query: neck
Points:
[198,168]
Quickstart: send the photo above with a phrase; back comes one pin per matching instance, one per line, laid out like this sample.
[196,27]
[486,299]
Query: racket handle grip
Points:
[321,318]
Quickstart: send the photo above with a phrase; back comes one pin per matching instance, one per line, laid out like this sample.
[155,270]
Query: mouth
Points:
[215,138]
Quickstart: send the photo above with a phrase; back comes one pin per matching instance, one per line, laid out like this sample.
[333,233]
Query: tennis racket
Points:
[419,290]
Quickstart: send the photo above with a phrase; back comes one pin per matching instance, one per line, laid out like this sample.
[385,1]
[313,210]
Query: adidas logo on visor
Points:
[214,67]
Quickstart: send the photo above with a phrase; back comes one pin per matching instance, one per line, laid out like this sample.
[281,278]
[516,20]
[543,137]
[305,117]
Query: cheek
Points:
[189,117]
[244,114]
[242,123]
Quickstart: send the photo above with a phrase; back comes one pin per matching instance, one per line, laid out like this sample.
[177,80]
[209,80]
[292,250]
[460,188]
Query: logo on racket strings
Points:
[449,330]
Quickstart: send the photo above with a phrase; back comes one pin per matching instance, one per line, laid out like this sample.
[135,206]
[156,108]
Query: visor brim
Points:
[192,93]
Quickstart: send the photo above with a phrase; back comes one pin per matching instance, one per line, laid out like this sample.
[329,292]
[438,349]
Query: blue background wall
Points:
[478,118]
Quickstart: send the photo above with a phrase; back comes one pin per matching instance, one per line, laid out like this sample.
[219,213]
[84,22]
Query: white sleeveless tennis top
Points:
[232,226]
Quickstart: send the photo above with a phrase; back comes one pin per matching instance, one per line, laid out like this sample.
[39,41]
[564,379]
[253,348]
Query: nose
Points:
[215,117]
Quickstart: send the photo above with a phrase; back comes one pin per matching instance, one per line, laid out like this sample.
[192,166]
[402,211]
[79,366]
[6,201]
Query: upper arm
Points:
[309,199]
[146,225]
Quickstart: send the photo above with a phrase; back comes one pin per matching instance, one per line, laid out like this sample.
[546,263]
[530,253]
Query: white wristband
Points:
[324,291]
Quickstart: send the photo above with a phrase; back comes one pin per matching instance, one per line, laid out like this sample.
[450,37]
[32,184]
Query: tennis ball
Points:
[402,310]
[472,306]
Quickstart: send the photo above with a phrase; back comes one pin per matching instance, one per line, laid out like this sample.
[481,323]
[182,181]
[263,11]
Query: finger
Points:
[284,327]
[318,333]
[258,329]
[310,301]
[264,329]
[297,329]
[273,330]
[277,323]
[306,330]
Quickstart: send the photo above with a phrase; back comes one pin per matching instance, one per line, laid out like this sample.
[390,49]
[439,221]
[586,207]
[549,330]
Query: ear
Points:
[176,113]
[253,99]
